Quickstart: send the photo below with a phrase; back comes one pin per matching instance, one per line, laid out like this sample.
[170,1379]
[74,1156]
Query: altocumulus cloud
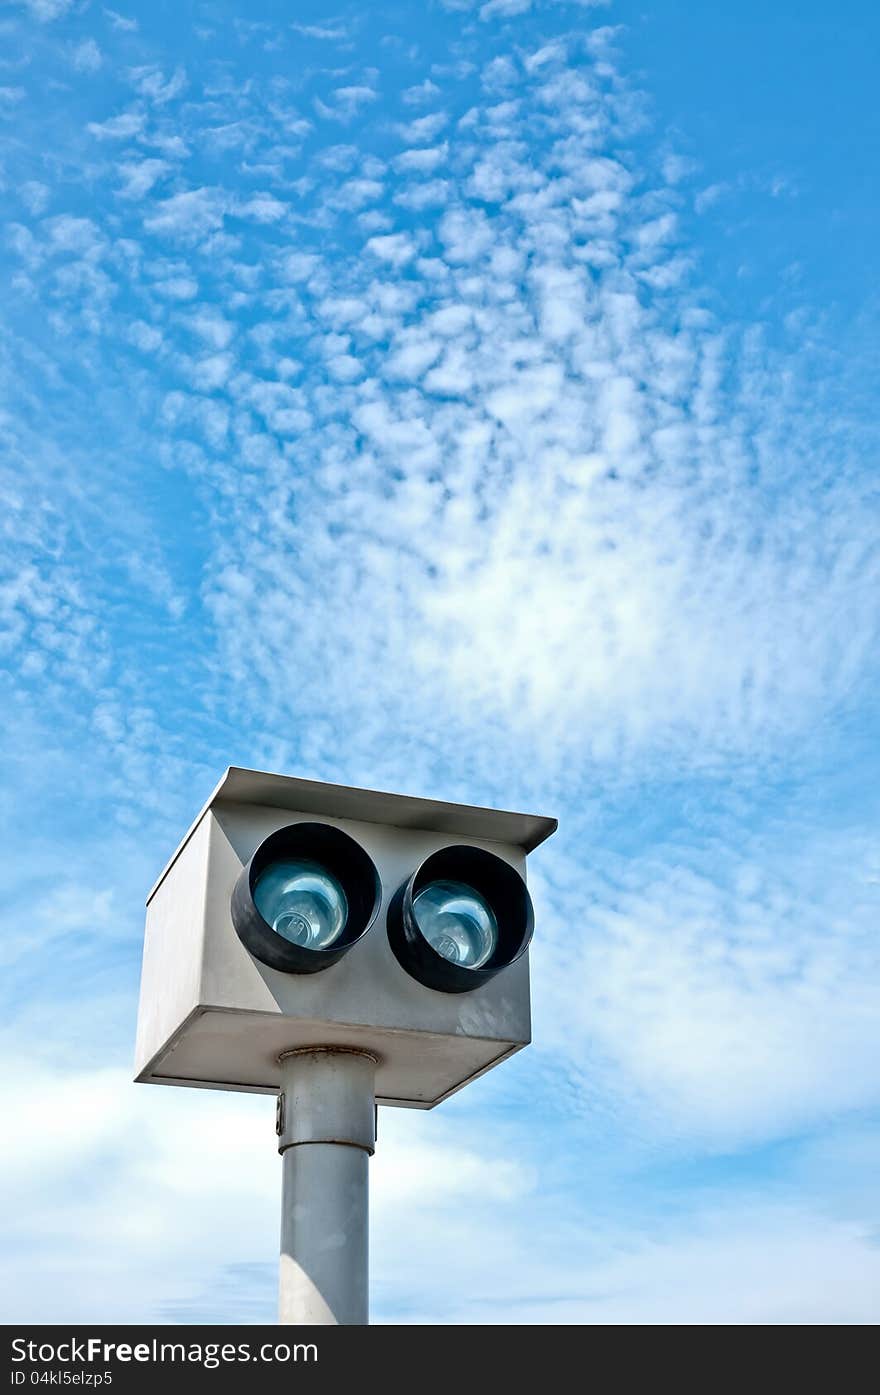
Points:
[586,493]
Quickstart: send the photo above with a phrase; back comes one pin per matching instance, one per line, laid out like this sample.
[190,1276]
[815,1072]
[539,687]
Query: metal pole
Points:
[327,1133]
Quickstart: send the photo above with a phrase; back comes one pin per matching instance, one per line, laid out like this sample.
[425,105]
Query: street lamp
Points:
[338,948]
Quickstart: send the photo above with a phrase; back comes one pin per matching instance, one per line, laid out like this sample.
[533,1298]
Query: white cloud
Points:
[262,208]
[122,127]
[282,407]
[145,337]
[190,215]
[152,84]
[46,10]
[86,57]
[139,176]
[173,146]
[709,196]
[121,22]
[423,129]
[466,234]
[420,93]
[677,167]
[299,266]
[338,157]
[512,9]
[208,323]
[763,1265]
[355,193]
[123,1259]
[177,287]
[153,1143]
[347,102]
[78,235]
[414,352]
[723,991]
[434,193]
[499,74]
[573,580]
[354,97]
[424,160]
[35,196]
[504,8]
[656,232]
[396,248]
[332,33]
[212,372]
[471,1213]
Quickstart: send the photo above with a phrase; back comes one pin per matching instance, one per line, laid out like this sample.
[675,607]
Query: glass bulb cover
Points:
[302,901]
[457,922]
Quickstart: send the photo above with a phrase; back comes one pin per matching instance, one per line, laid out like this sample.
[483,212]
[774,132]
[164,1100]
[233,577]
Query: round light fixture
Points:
[464,915]
[457,922]
[307,895]
[303,902]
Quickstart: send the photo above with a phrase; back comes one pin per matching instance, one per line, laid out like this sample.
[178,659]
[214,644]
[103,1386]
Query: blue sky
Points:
[474,400]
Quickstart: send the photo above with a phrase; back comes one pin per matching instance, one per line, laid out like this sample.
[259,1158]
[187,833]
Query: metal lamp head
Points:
[278,878]
[463,916]
[307,895]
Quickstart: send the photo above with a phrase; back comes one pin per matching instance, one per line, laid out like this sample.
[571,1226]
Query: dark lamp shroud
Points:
[500,885]
[341,856]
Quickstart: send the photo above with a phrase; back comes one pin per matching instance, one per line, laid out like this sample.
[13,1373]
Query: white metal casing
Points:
[213,1016]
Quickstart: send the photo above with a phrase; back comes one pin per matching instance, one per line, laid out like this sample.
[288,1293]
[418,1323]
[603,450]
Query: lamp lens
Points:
[457,923]
[303,903]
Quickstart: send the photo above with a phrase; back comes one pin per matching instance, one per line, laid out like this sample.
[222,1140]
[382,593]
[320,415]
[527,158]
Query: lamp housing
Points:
[334,875]
[500,935]
[223,997]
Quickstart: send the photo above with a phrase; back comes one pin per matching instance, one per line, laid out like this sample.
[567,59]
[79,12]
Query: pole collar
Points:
[328,1095]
